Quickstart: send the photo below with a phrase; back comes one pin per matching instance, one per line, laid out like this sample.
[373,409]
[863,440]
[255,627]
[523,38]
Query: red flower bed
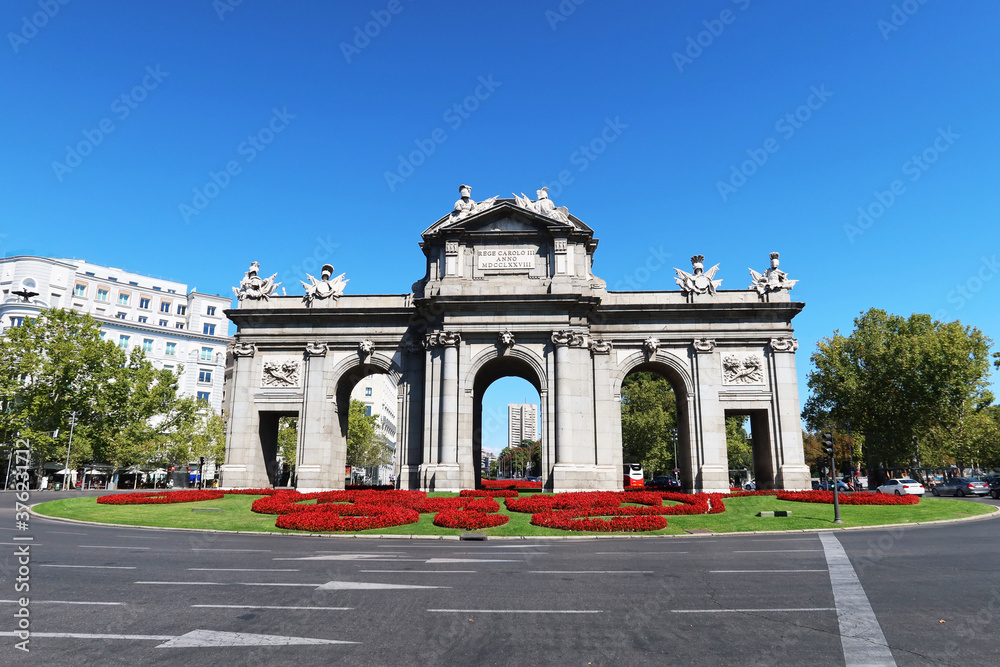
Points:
[570,520]
[486,493]
[469,519]
[160,497]
[495,484]
[332,517]
[857,498]
[250,492]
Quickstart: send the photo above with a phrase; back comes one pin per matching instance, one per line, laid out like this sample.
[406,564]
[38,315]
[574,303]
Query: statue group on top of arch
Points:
[253,287]
[700,281]
[772,280]
[467,206]
[325,287]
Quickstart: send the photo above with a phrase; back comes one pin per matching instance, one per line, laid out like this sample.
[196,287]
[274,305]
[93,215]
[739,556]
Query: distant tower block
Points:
[522,423]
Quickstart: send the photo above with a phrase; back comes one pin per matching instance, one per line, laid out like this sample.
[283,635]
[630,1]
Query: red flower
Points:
[160,497]
[469,519]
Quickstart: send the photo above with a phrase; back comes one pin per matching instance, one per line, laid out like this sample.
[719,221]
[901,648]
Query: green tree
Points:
[649,417]
[57,363]
[738,446]
[896,377]
[366,447]
[205,435]
[288,439]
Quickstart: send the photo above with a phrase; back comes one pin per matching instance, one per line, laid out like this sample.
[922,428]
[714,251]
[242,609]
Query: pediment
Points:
[505,215]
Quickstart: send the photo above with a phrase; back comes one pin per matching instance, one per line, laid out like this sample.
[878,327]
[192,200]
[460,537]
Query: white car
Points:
[902,487]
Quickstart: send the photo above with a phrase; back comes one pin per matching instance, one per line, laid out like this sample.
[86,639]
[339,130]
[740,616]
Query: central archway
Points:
[489,372]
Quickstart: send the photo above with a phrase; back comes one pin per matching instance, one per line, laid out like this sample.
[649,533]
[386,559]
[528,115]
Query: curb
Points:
[993,514]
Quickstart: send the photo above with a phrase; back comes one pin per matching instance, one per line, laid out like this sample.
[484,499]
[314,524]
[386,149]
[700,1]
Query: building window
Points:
[368,391]
[89,273]
[123,299]
[204,376]
[163,323]
[210,310]
[80,290]
[204,396]
[112,279]
[172,291]
[144,302]
[156,289]
[168,368]
[368,411]
[179,325]
[132,282]
[102,294]
[142,320]
[171,349]
[164,306]
[102,335]
[16,321]
[182,310]
[209,330]
[147,344]
[120,316]
[123,341]
[206,354]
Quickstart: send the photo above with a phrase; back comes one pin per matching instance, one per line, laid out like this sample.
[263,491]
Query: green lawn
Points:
[738,517]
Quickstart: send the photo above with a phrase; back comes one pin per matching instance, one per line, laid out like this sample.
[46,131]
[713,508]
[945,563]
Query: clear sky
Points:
[725,128]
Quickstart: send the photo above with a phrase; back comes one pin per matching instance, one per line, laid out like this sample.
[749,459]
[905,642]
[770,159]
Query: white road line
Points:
[473,560]
[20,544]
[217,583]
[366,586]
[106,546]
[83,635]
[777,551]
[261,606]
[95,567]
[590,572]
[423,571]
[235,550]
[103,604]
[237,569]
[860,634]
[742,611]
[754,571]
[59,532]
[517,611]
[629,553]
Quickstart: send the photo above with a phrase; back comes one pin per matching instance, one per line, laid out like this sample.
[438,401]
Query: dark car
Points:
[995,490]
[961,486]
[664,483]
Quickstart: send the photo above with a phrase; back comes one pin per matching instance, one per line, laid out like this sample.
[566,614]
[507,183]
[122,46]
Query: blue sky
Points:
[893,109]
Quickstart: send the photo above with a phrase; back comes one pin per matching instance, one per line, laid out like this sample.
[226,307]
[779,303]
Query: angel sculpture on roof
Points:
[253,287]
[324,288]
[544,205]
[466,206]
[700,281]
[772,280]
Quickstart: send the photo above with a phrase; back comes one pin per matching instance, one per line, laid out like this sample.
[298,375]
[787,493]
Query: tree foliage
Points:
[366,447]
[57,363]
[894,378]
[738,446]
[649,417]
[288,439]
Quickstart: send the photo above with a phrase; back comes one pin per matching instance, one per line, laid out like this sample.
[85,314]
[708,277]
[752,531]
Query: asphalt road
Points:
[110,596]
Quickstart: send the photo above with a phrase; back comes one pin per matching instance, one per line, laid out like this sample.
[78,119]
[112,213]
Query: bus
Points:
[633,476]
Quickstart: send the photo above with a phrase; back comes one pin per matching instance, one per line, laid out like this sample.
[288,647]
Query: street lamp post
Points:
[677,469]
[73,415]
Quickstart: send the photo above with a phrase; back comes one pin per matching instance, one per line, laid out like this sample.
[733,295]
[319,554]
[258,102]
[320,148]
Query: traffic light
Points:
[828,443]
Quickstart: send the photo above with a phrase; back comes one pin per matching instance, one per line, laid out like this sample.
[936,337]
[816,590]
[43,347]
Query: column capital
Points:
[316,349]
[600,346]
[567,338]
[784,344]
[242,349]
[704,345]
[443,339]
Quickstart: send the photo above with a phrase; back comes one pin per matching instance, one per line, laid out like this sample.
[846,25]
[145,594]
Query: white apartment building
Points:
[175,328]
[378,393]
[522,423]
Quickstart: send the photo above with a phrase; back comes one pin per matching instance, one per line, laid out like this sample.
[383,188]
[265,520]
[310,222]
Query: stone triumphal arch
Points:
[509,290]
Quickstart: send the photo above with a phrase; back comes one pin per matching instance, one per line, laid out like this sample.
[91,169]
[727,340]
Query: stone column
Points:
[792,471]
[448,448]
[710,472]
[244,467]
[564,419]
[317,461]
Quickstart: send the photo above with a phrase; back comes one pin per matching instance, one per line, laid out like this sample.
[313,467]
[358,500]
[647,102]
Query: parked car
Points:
[664,483]
[995,491]
[825,486]
[902,487]
[961,486]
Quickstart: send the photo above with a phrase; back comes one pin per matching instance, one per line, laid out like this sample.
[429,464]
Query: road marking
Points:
[103,604]
[20,544]
[590,572]
[753,571]
[860,634]
[517,611]
[260,606]
[473,560]
[83,635]
[376,557]
[235,550]
[95,567]
[195,638]
[777,551]
[366,586]
[236,569]
[741,611]
[424,571]
[105,546]
[482,553]
[59,532]
[629,553]
[218,583]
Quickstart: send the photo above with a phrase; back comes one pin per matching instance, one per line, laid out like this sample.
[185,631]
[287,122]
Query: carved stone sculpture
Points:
[650,346]
[742,369]
[466,206]
[242,349]
[543,206]
[568,338]
[772,280]
[704,344]
[600,346]
[316,349]
[700,281]
[366,347]
[253,287]
[442,339]
[281,373]
[325,287]
[784,344]
[506,340]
